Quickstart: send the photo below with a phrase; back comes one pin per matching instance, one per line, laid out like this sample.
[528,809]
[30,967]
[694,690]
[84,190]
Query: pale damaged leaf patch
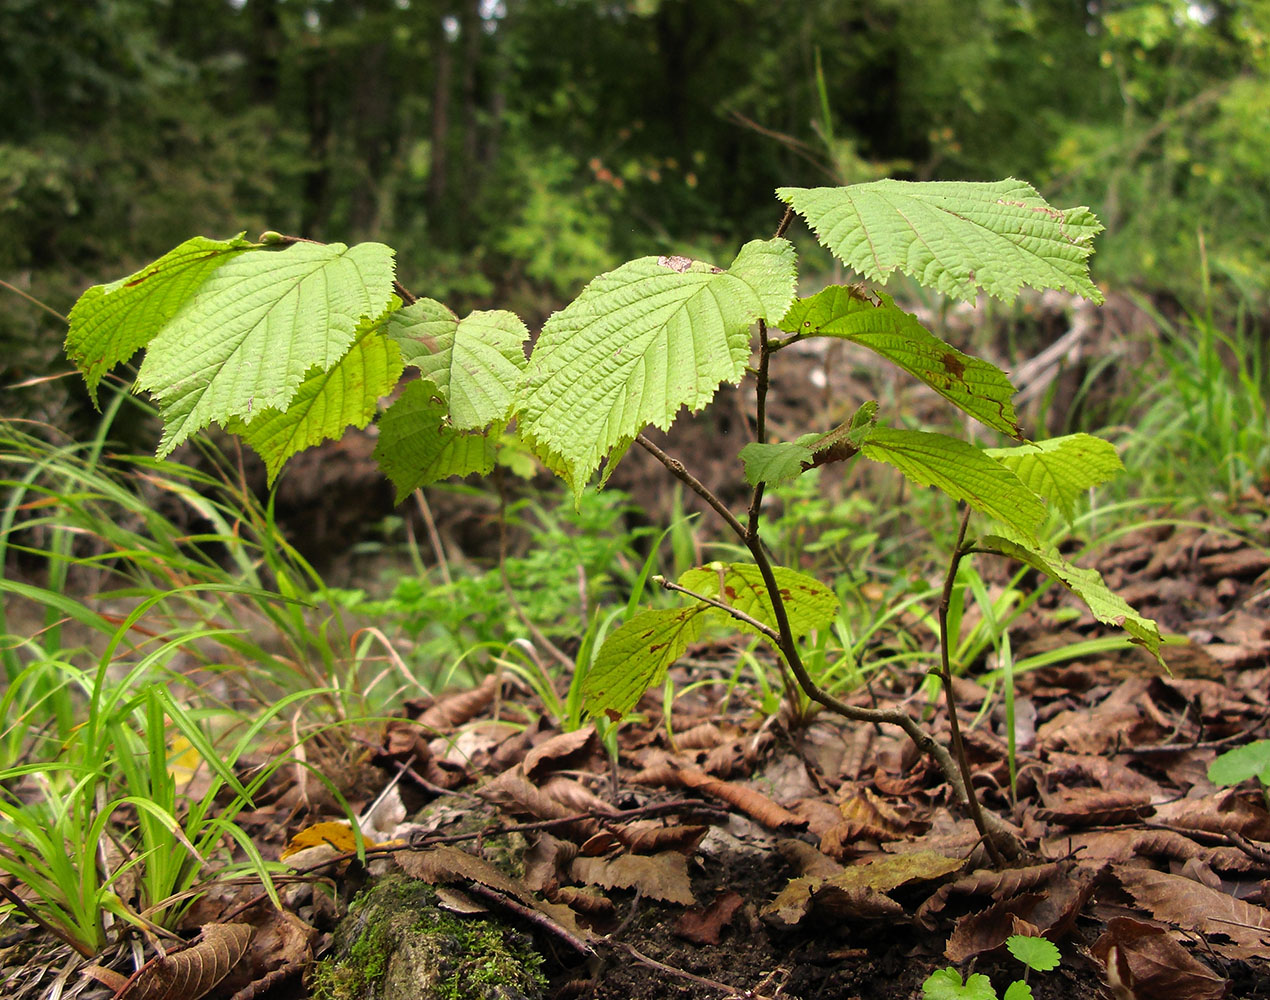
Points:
[954,236]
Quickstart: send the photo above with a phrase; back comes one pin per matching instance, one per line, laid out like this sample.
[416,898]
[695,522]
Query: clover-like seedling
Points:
[1036,953]
[946,984]
[1249,761]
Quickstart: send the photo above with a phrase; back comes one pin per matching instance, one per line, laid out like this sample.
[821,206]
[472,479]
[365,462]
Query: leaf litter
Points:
[729,849]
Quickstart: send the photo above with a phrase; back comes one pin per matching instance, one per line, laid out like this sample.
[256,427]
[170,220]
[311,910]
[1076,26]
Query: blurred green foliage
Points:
[567,563]
[510,149]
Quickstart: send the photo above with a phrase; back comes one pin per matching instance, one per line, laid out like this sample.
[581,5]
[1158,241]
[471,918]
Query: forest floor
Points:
[728,853]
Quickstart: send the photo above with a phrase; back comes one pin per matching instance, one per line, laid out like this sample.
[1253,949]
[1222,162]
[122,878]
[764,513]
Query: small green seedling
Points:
[1036,953]
[287,342]
[1249,761]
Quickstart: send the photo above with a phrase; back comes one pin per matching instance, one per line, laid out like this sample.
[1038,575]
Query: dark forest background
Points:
[511,149]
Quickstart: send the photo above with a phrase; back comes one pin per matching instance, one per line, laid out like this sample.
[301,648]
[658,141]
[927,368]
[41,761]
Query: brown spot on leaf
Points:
[140,278]
[952,364]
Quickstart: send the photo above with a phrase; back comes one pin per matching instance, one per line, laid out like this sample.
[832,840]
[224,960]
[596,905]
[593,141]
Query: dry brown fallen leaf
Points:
[807,860]
[442,865]
[560,751]
[653,836]
[988,929]
[446,864]
[753,803]
[456,709]
[546,860]
[192,972]
[513,792]
[864,816]
[661,876]
[703,926]
[1141,961]
[985,882]
[1228,809]
[1184,903]
[859,890]
[1094,806]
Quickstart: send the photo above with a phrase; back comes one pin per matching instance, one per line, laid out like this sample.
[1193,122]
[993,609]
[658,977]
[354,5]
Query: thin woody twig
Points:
[676,469]
[692,977]
[945,677]
[740,616]
[1253,850]
[535,917]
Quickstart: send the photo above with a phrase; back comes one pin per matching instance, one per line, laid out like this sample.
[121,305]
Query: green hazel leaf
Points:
[1087,584]
[779,463]
[656,334]
[776,463]
[845,440]
[1018,990]
[614,456]
[475,362]
[946,984]
[1037,953]
[256,328]
[327,402]
[110,323]
[809,604]
[954,236]
[418,446]
[962,471]
[635,656]
[972,384]
[1063,468]
[1252,760]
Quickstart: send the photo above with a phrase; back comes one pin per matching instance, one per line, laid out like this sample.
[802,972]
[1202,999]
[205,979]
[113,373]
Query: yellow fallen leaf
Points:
[336,834]
[183,761]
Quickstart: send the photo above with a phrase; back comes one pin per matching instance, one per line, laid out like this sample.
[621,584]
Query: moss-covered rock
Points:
[397,944]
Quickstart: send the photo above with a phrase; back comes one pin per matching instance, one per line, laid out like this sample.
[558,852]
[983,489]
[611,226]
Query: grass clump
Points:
[155,631]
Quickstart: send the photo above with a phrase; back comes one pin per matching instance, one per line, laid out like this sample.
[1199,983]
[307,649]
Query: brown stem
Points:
[786,219]
[760,423]
[945,677]
[692,977]
[740,616]
[676,469]
[33,300]
[999,833]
